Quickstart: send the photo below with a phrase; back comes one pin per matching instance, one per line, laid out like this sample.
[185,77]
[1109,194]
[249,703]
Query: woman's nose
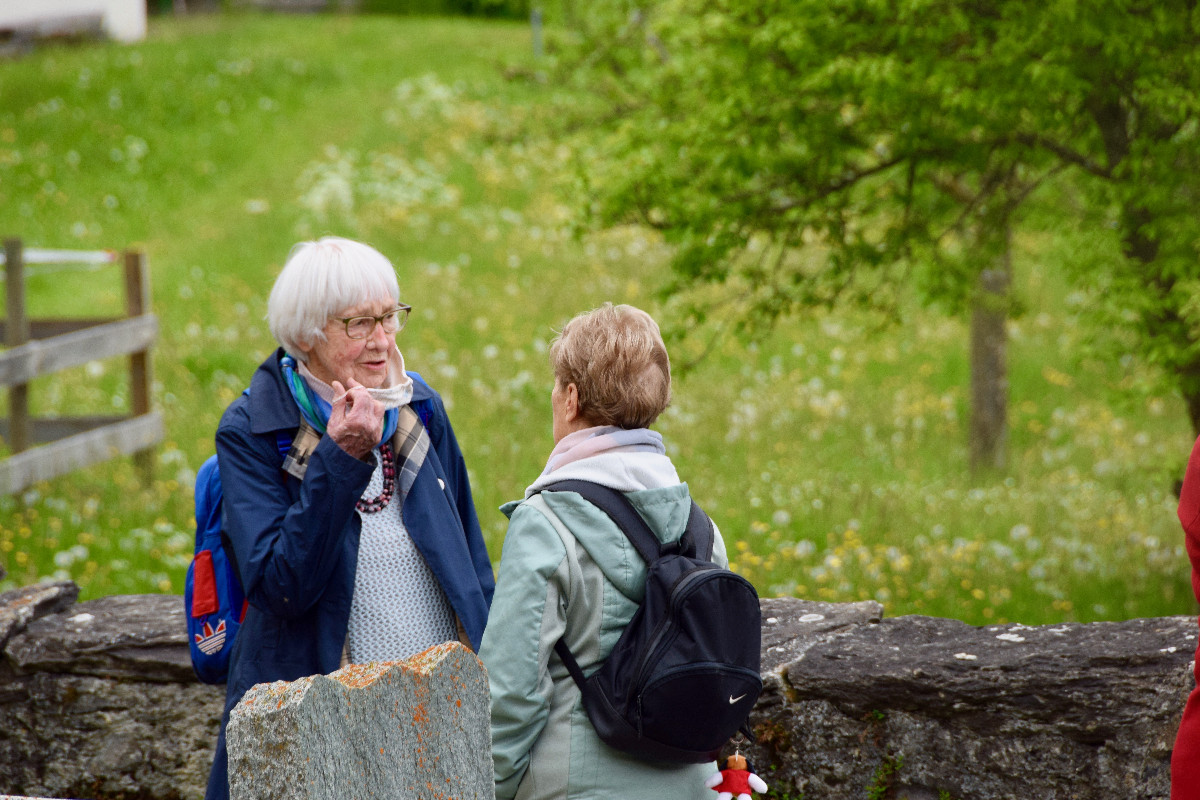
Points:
[379,337]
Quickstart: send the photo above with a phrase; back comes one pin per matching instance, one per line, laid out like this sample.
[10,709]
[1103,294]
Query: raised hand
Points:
[356,419]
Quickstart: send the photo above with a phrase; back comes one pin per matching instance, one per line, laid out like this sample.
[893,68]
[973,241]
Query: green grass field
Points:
[832,454]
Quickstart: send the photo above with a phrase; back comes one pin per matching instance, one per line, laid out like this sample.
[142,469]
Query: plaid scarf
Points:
[411,445]
[403,425]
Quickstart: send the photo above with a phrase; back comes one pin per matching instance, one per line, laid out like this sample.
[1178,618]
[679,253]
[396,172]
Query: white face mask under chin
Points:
[393,396]
[389,397]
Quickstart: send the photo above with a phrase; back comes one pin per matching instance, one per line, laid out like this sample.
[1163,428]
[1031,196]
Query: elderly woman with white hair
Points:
[347,508]
[568,572]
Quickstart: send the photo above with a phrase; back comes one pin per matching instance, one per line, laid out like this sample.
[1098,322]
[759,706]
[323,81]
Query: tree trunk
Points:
[989,370]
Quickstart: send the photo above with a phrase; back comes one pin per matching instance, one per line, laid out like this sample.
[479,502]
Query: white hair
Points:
[321,279]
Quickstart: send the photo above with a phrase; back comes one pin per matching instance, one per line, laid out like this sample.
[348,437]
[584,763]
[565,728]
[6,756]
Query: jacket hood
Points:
[652,485]
[625,472]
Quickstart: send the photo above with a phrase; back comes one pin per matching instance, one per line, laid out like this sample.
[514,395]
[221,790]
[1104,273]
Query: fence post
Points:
[535,23]
[16,332]
[137,301]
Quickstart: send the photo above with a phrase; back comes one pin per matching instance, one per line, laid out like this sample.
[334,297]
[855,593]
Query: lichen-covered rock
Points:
[87,737]
[418,728]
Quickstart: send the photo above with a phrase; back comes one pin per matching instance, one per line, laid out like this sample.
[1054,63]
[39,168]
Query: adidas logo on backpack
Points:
[684,675]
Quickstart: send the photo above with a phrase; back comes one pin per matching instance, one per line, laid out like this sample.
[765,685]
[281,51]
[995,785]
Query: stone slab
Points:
[137,637]
[19,607]
[418,728]
[1071,711]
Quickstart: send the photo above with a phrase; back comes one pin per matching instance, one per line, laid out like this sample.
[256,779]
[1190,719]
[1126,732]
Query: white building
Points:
[123,20]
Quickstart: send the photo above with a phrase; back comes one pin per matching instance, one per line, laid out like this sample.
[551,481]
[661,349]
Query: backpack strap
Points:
[697,540]
[568,659]
[698,537]
[617,506]
[424,408]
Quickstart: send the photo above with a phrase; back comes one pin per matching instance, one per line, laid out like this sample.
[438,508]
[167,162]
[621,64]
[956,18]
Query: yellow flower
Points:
[1057,378]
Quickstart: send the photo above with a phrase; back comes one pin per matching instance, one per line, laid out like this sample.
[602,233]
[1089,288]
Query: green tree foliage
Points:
[813,152]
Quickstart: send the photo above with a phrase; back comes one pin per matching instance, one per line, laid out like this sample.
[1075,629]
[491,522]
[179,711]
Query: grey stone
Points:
[89,737]
[19,607]
[142,637]
[1055,711]
[98,699]
[418,728]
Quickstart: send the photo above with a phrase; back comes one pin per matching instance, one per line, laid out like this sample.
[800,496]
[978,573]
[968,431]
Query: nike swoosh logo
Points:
[733,699]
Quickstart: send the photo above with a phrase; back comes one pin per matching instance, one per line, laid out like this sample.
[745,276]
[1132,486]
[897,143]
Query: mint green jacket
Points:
[566,567]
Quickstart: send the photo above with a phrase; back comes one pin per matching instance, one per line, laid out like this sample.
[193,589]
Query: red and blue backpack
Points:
[212,595]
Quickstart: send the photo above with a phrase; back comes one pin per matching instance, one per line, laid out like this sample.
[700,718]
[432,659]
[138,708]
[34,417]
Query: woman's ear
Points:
[571,402]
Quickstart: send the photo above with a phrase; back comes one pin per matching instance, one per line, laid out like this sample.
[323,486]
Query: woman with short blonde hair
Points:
[616,357]
[568,572]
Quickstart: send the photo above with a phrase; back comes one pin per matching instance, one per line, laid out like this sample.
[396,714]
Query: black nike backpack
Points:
[684,675]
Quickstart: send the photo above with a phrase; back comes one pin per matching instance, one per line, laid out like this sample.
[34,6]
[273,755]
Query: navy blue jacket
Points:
[296,543]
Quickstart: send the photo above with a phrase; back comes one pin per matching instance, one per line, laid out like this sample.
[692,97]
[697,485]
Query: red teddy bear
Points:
[735,779]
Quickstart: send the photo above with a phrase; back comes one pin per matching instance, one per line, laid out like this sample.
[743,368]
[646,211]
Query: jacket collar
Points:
[421,389]
[271,405]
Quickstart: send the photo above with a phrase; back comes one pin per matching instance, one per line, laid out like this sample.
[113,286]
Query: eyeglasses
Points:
[362,327]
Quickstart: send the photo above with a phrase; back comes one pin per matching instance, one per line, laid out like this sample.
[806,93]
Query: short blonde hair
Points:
[323,278]
[617,360]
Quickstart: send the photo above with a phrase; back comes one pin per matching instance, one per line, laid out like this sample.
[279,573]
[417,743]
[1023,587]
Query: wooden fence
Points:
[37,347]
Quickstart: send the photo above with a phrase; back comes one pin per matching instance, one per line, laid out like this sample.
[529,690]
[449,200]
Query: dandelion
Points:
[803,549]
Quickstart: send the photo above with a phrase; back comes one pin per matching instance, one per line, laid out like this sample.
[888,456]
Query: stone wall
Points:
[928,708]
[97,701]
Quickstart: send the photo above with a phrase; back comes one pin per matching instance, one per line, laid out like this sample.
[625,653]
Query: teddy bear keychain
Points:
[737,779]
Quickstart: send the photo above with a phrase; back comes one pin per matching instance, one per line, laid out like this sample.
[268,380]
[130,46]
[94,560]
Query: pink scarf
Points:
[603,439]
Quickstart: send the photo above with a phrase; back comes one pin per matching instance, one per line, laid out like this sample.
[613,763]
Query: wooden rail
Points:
[42,347]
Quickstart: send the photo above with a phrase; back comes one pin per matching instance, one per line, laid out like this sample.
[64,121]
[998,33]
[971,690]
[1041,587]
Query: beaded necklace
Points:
[388,462]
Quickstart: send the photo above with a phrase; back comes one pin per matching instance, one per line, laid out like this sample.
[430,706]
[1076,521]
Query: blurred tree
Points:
[804,153]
